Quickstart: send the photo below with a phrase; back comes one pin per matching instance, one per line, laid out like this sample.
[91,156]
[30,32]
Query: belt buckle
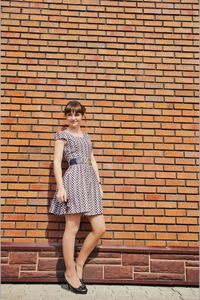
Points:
[78,160]
[85,159]
[89,160]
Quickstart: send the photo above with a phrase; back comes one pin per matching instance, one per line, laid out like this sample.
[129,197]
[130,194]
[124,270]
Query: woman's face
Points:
[74,119]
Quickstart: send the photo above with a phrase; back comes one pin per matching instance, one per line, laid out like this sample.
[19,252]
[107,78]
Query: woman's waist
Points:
[80,160]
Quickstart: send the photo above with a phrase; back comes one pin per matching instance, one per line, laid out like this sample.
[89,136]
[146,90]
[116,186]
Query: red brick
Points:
[36,274]
[160,276]
[117,272]
[160,266]
[192,274]
[9,271]
[22,257]
[135,259]
[50,264]
[93,272]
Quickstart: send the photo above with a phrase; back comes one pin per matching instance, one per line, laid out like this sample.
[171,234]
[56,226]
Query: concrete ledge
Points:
[43,262]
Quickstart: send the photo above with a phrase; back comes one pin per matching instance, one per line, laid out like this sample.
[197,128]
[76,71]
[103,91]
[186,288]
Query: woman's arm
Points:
[58,154]
[95,166]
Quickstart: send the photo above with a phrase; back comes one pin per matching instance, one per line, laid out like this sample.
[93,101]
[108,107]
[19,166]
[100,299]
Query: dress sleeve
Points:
[59,135]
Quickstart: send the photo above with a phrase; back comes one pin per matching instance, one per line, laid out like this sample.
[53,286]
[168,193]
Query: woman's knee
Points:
[71,229]
[98,224]
[99,231]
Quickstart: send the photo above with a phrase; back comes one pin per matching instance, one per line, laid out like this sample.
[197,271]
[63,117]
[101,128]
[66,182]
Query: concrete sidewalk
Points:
[49,291]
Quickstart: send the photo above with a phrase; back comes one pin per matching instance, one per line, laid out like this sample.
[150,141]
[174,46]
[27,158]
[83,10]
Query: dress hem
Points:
[84,214]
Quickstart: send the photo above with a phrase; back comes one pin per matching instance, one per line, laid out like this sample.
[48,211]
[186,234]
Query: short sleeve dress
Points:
[80,180]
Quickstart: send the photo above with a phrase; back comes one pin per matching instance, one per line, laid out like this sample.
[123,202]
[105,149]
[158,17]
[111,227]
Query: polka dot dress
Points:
[80,180]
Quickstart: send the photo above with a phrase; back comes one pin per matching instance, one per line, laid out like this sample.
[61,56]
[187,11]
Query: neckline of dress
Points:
[74,135]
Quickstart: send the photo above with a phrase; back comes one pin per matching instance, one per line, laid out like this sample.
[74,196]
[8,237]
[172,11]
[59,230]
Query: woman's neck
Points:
[74,130]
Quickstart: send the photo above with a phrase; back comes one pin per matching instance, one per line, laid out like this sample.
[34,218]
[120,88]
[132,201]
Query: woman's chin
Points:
[74,125]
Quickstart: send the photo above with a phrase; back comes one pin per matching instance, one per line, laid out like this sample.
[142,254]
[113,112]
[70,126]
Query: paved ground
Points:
[46,291]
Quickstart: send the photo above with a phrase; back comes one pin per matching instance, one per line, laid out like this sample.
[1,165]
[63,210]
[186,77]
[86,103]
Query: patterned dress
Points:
[80,180]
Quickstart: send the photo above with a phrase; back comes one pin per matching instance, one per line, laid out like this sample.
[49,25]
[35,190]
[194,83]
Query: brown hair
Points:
[76,107]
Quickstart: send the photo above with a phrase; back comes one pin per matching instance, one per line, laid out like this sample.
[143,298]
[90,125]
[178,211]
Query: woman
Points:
[79,192]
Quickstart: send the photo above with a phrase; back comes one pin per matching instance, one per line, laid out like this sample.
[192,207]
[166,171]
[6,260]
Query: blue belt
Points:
[80,160]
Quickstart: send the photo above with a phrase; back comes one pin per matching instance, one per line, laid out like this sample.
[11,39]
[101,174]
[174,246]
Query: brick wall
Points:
[133,64]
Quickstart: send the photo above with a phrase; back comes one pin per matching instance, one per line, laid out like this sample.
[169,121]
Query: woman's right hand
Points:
[61,195]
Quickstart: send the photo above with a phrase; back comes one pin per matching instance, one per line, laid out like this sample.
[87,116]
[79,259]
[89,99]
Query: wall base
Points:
[41,262]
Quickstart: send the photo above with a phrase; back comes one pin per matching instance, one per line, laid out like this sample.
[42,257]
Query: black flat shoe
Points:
[79,290]
[83,283]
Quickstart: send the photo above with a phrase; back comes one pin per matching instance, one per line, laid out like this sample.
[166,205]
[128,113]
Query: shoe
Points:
[83,283]
[81,280]
[79,290]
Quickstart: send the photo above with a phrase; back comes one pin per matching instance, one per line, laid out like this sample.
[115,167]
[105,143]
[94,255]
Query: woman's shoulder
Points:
[64,134]
[60,134]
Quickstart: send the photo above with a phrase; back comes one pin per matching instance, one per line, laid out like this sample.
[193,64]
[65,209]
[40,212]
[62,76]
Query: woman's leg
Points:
[72,223]
[98,229]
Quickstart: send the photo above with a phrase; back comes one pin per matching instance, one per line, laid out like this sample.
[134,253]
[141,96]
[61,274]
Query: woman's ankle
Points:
[70,273]
[80,264]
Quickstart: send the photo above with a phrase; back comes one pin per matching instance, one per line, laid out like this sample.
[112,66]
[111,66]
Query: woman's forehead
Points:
[73,112]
